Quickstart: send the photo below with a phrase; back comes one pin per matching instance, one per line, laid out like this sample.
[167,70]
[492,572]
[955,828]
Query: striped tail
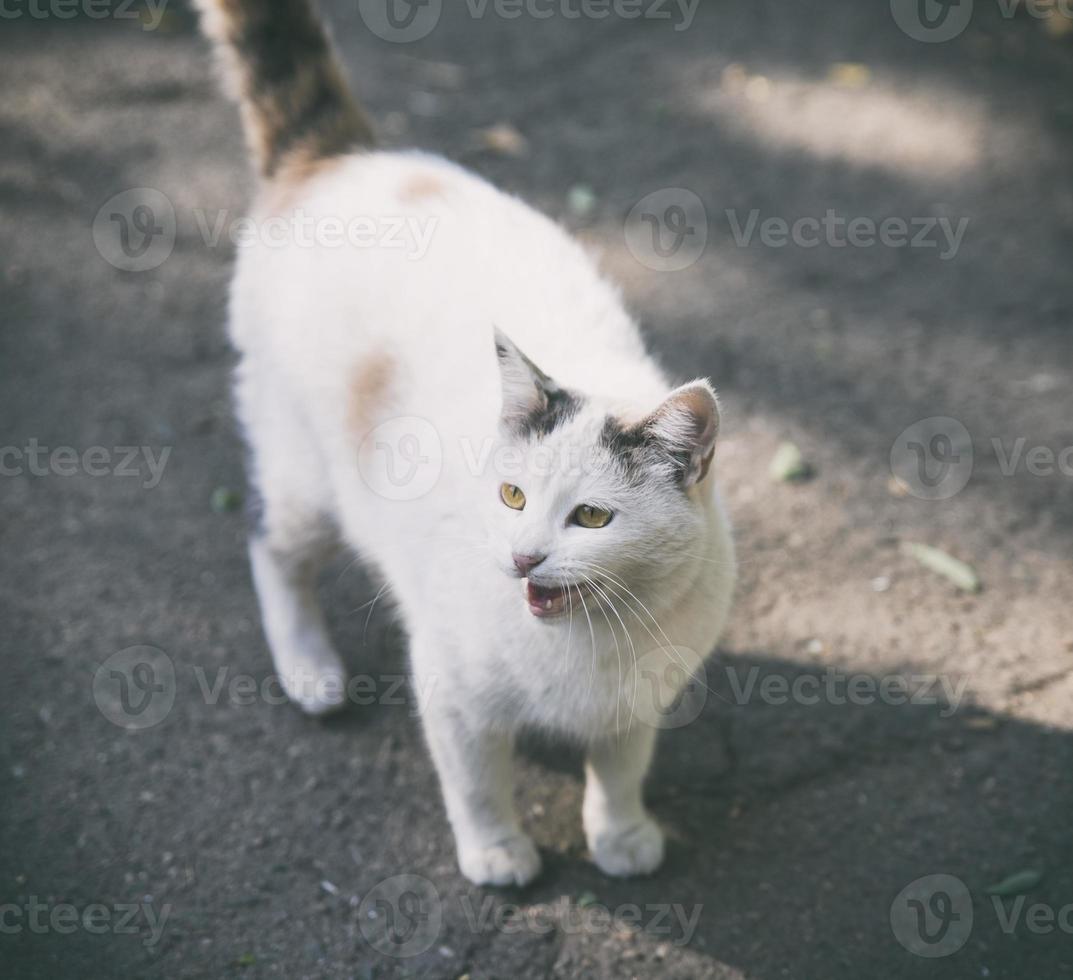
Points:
[278,62]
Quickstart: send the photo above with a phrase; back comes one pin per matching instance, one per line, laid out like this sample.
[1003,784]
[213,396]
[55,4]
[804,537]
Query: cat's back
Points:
[408,253]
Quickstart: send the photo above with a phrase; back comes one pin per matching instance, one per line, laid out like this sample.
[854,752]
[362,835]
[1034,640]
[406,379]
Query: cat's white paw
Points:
[317,689]
[511,862]
[633,850]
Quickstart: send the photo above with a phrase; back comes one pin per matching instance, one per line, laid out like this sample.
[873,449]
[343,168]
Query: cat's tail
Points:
[279,65]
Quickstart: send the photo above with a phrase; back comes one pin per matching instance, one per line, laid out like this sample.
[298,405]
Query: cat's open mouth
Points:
[545,601]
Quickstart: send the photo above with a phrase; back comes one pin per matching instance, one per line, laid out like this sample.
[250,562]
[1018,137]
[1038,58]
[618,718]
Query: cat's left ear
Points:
[530,397]
[686,426]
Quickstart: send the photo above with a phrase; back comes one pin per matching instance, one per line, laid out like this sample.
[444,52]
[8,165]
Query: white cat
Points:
[542,529]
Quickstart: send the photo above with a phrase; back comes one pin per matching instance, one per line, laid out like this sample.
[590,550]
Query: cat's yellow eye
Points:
[512,496]
[591,517]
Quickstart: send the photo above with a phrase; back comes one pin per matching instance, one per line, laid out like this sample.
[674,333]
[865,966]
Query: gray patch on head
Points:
[638,454]
[560,405]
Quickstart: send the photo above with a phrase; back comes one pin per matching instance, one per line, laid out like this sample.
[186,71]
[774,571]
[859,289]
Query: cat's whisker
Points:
[372,608]
[715,561]
[592,638]
[614,636]
[565,663]
[633,653]
[667,645]
[615,580]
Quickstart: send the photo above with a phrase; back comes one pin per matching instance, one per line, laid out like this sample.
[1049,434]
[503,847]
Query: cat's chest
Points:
[572,681]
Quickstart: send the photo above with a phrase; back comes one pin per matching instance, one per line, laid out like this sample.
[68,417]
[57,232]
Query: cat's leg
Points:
[623,838]
[475,771]
[285,563]
[291,537]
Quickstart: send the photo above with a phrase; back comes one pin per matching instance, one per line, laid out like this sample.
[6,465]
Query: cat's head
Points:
[594,500]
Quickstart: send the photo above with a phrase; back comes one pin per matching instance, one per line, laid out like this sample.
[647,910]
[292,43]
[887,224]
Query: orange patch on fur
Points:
[370,387]
[421,185]
[296,171]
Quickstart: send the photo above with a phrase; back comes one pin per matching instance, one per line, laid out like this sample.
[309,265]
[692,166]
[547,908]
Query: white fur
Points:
[305,320]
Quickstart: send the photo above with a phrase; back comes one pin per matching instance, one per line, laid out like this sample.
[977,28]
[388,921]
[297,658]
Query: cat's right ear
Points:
[528,392]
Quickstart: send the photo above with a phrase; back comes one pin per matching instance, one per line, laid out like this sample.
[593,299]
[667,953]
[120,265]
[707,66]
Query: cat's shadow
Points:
[799,800]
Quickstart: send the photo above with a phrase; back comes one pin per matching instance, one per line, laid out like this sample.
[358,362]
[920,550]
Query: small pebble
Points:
[224,500]
[788,465]
[581,200]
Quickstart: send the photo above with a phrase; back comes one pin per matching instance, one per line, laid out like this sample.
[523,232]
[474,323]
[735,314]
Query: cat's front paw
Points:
[515,861]
[317,688]
[632,850]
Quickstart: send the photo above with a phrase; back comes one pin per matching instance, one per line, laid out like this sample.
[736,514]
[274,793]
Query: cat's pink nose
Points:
[526,563]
